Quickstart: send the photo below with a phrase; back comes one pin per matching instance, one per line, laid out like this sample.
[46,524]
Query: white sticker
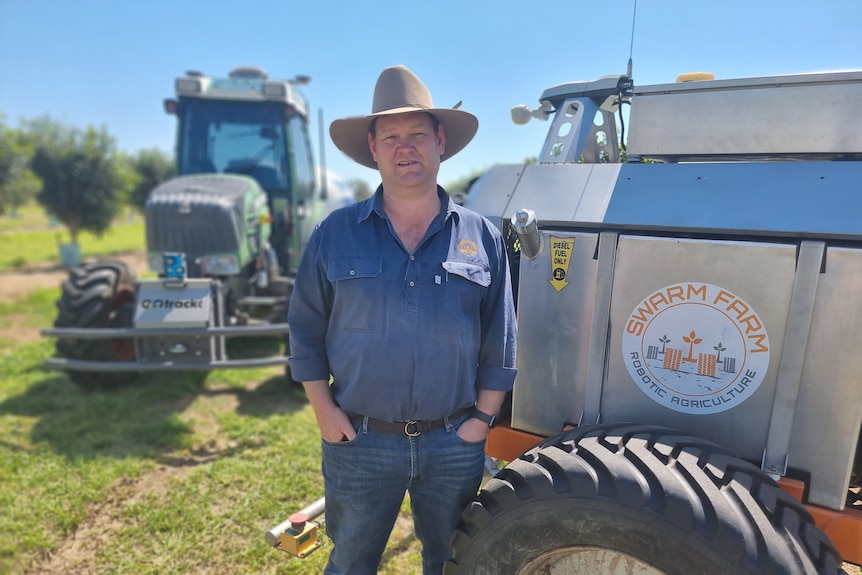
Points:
[695,348]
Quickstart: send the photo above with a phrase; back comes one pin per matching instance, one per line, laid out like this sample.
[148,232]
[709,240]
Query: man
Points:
[405,302]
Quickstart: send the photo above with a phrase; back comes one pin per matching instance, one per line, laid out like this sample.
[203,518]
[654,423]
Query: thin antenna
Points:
[632,43]
[629,83]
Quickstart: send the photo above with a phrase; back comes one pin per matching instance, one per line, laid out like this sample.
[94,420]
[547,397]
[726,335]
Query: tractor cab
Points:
[248,124]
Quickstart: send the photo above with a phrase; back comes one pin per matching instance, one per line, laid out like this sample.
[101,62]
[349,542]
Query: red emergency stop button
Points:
[298,521]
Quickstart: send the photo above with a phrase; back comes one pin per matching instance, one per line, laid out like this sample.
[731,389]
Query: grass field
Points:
[30,236]
[174,474]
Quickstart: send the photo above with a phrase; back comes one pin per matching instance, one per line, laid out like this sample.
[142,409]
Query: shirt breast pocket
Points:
[358,282]
[461,296]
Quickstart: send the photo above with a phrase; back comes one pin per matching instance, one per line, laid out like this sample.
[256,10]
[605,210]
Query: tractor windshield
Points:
[234,137]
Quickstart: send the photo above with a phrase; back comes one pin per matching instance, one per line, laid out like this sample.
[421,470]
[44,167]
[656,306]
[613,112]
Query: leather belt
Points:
[411,428]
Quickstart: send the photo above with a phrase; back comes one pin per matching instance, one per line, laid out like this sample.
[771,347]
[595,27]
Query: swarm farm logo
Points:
[696,348]
[468,247]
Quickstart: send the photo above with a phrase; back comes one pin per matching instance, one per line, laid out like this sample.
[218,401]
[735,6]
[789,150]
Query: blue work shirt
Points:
[404,336]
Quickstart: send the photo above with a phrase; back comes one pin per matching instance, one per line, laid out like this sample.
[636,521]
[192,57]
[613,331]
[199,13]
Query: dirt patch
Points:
[75,554]
[16,284]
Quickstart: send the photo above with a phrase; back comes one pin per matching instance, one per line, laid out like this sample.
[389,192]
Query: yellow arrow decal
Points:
[561,256]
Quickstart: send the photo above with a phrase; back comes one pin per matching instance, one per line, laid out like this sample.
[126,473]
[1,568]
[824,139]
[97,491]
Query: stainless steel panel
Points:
[599,327]
[558,192]
[779,115]
[554,336]
[760,277]
[808,265]
[554,329]
[833,77]
[491,193]
[829,409]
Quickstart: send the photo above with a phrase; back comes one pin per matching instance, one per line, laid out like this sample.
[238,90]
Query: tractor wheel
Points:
[613,499]
[97,295]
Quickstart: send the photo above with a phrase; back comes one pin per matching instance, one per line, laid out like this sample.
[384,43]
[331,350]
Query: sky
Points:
[111,63]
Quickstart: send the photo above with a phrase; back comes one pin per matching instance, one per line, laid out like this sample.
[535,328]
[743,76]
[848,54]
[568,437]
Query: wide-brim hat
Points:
[400,91]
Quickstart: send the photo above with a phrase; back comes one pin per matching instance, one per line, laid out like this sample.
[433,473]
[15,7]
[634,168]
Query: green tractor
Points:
[225,237]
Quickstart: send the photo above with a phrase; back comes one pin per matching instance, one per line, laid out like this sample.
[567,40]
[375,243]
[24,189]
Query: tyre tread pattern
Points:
[692,484]
[88,299]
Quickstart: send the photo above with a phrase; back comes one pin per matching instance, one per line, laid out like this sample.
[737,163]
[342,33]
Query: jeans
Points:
[365,481]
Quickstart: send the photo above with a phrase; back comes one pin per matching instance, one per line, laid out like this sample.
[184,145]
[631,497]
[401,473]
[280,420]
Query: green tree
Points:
[18,184]
[127,176]
[462,184]
[152,167]
[360,188]
[79,176]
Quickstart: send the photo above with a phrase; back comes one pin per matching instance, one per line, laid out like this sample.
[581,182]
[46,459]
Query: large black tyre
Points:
[97,295]
[611,499]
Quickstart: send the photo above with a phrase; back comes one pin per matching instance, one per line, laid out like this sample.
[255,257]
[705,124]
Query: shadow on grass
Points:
[274,396]
[140,419]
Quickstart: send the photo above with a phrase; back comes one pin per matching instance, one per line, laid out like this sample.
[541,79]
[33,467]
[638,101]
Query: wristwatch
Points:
[486,417]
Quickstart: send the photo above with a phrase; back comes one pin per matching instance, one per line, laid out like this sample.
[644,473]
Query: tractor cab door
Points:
[305,205]
[248,138]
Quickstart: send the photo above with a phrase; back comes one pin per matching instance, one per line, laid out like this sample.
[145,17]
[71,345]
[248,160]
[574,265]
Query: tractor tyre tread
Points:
[680,503]
[88,299]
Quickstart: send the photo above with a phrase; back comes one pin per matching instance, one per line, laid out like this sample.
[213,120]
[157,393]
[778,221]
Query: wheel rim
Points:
[592,560]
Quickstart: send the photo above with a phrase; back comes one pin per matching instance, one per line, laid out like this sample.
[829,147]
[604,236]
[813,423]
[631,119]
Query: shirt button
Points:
[412,257]
[411,284]
[353,272]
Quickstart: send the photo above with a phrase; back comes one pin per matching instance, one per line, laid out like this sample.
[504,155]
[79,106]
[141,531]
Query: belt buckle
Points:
[407,431]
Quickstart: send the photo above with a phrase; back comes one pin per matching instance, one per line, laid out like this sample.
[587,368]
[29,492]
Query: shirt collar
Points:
[375,204]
